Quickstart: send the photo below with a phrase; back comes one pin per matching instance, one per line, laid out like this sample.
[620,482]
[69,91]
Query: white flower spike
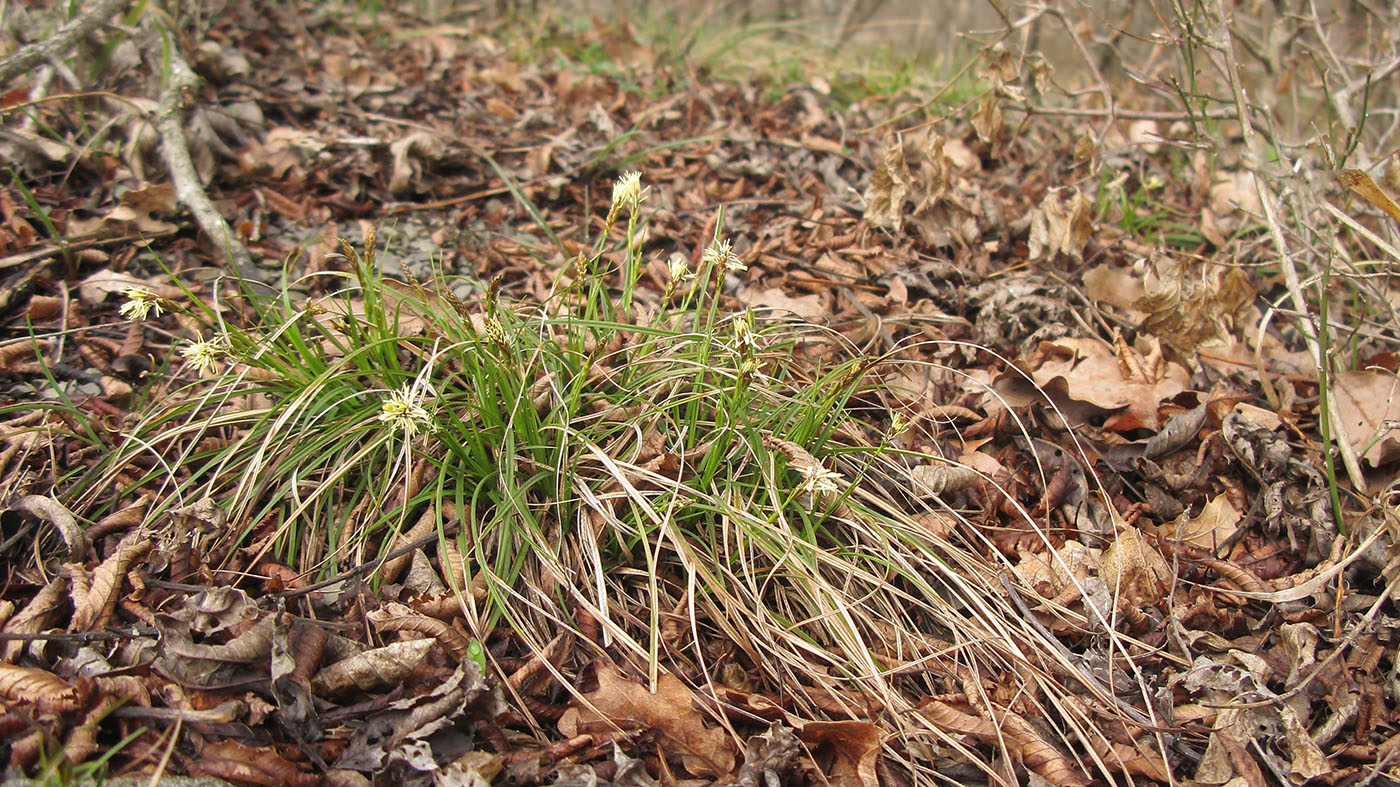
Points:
[203,355]
[403,409]
[722,255]
[141,303]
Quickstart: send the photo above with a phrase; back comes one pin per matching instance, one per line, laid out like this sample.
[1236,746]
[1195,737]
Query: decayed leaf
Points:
[704,751]
[1134,570]
[769,757]
[1061,225]
[419,730]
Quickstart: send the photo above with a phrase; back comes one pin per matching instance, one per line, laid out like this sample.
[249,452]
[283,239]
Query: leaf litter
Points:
[1131,455]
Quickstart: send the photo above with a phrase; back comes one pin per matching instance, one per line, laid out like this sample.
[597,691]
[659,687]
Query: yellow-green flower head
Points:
[141,303]
[403,410]
[722,255]
[204,355]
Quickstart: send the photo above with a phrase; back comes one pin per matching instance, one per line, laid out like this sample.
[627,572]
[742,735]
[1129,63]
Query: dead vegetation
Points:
[1031,422]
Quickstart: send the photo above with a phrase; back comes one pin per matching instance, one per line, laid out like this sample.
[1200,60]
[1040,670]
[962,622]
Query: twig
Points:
[1221,113]
[25,60]
[178,78]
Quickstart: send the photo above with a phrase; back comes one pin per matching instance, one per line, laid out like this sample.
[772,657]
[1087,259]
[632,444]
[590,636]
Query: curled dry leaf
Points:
[408,152]
[932,481]
[394,616]
[374,669]
[1061,225]
[211,666]
[54,513]
[216,609]
[93,610]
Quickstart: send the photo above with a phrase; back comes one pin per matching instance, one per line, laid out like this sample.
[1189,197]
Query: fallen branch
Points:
[26,59]
[178,78]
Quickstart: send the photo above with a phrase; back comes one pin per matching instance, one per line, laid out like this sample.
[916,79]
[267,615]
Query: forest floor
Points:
[516,403]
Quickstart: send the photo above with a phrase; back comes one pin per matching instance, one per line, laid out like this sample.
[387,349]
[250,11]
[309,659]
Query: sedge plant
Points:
[648,468]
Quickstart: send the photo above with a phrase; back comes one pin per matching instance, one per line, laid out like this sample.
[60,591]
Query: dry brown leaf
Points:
[1209,529]
[1087,370]
[243,764]
[810,308]
[704,751]
[1117,287]
[36,616]
[394,616]
[1134,570]
[855,746]
[1362,186]
[133,214]
[36,688]
[1368,403]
